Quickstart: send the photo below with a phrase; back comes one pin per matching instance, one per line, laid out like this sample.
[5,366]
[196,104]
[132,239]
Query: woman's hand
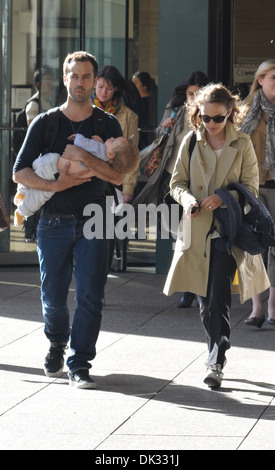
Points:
[195,209]
[212,202]
[168,122]
[127,198]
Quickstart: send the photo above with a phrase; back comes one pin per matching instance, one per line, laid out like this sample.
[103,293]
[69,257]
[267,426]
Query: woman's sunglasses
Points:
[217,119]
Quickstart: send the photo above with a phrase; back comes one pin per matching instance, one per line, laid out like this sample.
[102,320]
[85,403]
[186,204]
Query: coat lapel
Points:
[203,167]
[224,164]
[208,164]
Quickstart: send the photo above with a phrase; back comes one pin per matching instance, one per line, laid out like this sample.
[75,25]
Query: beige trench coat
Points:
[128,121]
[237,163]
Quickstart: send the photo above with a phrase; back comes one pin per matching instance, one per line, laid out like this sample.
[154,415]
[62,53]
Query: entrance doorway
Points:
[36,36]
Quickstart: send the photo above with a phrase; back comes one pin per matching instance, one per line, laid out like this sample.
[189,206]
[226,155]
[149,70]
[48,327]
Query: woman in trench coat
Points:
[222,155]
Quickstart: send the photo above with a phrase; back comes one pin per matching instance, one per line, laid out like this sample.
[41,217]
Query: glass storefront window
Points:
[105,28]
[37,35]
[60,34]
[43,32]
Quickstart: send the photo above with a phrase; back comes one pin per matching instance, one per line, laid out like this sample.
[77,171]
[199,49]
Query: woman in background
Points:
[260,125]
[179,126]
[114,95]
[148,91]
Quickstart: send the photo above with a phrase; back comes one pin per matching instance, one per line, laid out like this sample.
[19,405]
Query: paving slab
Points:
[149,372]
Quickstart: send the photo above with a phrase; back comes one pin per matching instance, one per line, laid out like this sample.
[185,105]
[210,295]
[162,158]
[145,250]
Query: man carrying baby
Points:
[62,247]
[121,153]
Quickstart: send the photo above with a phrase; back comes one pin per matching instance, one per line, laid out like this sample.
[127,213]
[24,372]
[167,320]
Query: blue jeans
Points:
[62,250]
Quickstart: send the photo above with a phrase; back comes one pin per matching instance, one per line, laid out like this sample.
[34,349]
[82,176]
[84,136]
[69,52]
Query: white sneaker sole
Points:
[213,381]
[82,384]
[53,374]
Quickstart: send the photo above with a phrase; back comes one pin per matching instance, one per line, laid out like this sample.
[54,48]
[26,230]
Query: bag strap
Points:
[192,143]
[51,128]
[191,147]
[52,122]
[172,116]
[99,122]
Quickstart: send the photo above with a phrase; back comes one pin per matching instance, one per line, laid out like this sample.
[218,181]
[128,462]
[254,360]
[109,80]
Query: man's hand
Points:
[72,152]
[97,138]
[66,180]
[98,167]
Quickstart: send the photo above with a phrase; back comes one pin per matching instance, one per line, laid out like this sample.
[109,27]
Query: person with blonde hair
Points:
[222,155]
[259,123]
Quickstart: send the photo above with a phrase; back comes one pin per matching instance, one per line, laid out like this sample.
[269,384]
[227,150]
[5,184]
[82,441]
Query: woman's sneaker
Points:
[80,379]
[213,377]
[54,361]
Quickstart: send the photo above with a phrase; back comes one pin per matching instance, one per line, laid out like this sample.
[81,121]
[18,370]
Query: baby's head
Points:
[123,154]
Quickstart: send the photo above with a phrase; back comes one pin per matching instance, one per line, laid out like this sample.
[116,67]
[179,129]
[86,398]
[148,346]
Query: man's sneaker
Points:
[54,361]
[81,379]
[213,377]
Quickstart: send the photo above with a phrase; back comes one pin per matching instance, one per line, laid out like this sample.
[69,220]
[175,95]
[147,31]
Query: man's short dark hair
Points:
[80,56]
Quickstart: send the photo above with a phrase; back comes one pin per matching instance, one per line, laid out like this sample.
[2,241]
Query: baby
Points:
[120,153]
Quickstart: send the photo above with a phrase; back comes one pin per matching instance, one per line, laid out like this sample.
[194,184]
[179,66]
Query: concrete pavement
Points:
[149,371]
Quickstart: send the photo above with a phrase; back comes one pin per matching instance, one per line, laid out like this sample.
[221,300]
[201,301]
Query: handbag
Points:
[4,217]
[155,157]
[154,152]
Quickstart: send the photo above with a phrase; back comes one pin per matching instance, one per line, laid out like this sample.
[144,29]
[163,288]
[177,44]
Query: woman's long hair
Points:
[196,78]
[262,70]
[123,89]
[147,81]
[213,93]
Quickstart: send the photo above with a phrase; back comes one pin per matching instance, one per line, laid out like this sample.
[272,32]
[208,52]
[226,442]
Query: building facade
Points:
[226,39]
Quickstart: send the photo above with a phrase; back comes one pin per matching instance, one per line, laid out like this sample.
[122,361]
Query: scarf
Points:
[112,106]
[261,104]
